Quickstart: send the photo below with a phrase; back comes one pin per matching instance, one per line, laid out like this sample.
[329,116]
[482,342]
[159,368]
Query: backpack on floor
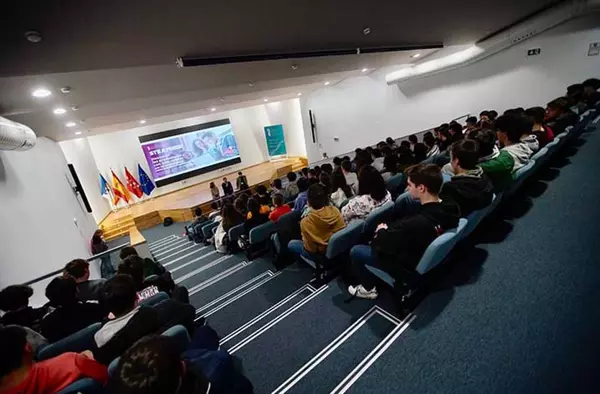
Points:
[168,221]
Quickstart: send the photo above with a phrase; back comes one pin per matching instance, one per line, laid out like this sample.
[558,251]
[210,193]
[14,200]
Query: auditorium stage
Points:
[179,204]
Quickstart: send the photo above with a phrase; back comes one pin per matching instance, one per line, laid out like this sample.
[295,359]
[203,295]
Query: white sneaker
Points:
[360,292]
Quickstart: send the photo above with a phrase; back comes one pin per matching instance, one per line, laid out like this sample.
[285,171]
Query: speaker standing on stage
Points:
[227,187]
[242,182]
[214,191]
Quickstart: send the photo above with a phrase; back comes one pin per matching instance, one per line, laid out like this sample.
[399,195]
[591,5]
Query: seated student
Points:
[510,130]
[351,178]
[87,290]
[405,158]
[151,267]
[590,95]
[492,115]
[575,96]
[455,132]
[327,169]
[390,167]
[227,187]
[241,206]
[276,187]
[70,315]
[319,225]
[470,125]
[133,265]
[14,301]
[214,206]
[420,150]
[291,190]
[400,245]
[377,160]
[362,159]
[19,374]
[496,164]
[241,182]
[341,190]
[431,146]
[559,116]
[257,215]
[325,181]
[391,143]
[302,198]
[280,208]
[230,218]
[199,218]
[337,163]
[469,188]
[132,322]
[312,174]
[544,133]
[372,193]
[262,195]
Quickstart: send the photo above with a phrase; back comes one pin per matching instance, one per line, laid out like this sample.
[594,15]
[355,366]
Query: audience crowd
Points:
[449,173]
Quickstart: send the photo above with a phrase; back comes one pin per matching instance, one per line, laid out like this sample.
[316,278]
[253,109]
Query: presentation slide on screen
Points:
[178,154]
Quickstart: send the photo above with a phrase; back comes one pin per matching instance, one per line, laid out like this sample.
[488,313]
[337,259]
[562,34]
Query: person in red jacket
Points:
[543,132]
[20,375]
[280,208]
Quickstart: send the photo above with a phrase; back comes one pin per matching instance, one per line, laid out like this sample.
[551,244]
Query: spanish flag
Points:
[119,191]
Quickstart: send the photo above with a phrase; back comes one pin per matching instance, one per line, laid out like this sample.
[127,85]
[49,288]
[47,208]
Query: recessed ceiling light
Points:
[213,109]
[299,94]
[70,124]
[250,84]
[367,31]
[41,93]
[327,83]
[265,100]
[74,108]
[33,36]
[416,55]
[66,89]
[294,66]
[78,133]
[59,111]
[142,121]
[364,70]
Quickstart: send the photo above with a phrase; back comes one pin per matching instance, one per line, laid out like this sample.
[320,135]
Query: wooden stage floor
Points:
[180,203]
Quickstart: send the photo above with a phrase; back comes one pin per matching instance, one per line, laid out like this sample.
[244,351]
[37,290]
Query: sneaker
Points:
[360,292]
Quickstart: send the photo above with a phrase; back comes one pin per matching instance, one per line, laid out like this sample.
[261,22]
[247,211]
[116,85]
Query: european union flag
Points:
[145,181]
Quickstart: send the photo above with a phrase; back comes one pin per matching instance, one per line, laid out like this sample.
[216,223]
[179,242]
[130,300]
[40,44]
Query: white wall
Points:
[44,225]
[118,149]
[364,110]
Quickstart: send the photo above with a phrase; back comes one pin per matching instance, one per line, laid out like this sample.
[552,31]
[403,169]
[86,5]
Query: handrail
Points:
[94,257]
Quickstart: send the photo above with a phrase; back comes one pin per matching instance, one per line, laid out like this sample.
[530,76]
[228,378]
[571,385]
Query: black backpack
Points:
[168,221]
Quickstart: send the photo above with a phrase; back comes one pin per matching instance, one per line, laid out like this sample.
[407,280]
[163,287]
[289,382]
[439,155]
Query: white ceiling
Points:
[118,56]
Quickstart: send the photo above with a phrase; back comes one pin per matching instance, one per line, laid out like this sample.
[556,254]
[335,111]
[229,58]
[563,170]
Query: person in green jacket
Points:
[496,164]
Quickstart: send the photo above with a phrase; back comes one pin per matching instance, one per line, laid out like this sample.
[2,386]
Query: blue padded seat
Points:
[85,386]
[155,299]
[341,242]
[476,217]
[377,216]
[288,228]
[520,176]
[262,233]
[435,253]
[76,342]
[394,184]
[235,232]
[540,158]
[207,229]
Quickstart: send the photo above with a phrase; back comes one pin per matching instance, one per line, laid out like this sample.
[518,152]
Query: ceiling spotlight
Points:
[142,121]
[222,99]
[33,36]
[299,94]
[294,66]
[66,89]
[327,83]
[70,124]
[78,133]
[250,84]
[367,31]
[59,111]
[364,70]
[265,100]
[74,108]
[416,55]
[213,109]
[41,93]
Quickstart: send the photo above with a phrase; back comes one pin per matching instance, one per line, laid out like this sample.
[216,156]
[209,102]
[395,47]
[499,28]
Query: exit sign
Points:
[534,51]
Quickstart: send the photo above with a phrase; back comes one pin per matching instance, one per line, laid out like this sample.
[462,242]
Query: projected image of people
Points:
[189,150]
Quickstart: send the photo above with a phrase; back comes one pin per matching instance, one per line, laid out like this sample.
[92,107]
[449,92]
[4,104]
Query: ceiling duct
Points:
[522,31]
[15,136]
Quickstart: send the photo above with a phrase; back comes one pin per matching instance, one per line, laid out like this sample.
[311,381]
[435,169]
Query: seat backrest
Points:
[539,154]
[77,342]
[180,335]
[524,171]
[85,385]
[378,216]
[439,249]
[235,232]
[261,233]
[155,299]
[345,239]
[394,183]
[207,229]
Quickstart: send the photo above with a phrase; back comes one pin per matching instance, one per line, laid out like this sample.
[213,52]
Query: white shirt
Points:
[352,181]
[111,328]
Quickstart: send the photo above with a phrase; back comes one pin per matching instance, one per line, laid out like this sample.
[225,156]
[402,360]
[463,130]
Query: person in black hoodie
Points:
[469,188]
[14,300]
[399,245]
[132,322]
[559,116]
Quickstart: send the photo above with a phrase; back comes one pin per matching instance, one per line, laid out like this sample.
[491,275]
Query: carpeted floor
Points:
[514,313]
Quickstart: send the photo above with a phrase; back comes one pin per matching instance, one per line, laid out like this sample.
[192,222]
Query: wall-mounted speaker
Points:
[79,189]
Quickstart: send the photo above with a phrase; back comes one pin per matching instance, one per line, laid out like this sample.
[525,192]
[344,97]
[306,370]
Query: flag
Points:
[133,185]
[104,188]
[147,185]
[119,190]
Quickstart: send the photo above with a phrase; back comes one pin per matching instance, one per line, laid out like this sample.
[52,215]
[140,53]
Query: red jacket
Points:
[279,211]
[53,375]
